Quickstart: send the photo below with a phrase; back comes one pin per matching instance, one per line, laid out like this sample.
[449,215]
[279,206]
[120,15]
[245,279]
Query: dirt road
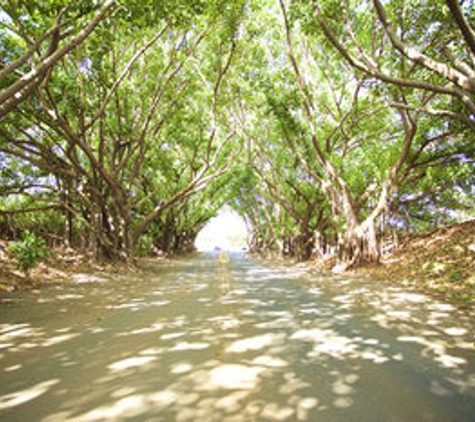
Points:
[204,339]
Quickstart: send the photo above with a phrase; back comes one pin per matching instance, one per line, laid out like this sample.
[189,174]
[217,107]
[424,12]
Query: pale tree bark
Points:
[23,87]
[449,73]
[462,23]
[457,80]
[300,207]
[461,78]
[359,240]
[210,170]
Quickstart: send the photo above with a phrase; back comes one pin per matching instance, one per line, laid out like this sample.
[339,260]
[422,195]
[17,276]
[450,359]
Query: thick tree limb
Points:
[22,88]
[462,23]
[13,66]
[123,74]
[441,113]
[371,70]
[442,69]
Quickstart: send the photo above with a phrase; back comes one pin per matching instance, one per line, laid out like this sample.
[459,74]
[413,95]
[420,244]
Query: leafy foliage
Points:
[28,250]
[320,136]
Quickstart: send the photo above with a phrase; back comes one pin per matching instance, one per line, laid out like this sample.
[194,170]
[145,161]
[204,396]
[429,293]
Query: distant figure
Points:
[223,258]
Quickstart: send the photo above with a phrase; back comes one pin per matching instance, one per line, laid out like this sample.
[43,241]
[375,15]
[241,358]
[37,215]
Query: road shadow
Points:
[201,340]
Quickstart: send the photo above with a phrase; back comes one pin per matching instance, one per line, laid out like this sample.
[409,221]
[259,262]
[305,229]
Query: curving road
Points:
[239,341]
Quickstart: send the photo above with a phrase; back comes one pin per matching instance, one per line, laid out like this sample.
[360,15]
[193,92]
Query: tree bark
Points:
[22,88]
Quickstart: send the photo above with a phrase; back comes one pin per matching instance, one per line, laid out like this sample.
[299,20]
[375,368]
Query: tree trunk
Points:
[360,244]
[303,246]
[68,218]
[109,237]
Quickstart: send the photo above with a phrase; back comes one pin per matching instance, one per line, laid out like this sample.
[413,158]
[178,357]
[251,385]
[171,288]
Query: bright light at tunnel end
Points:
[226,231]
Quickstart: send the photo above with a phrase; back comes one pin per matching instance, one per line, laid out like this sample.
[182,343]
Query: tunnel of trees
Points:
[329,126]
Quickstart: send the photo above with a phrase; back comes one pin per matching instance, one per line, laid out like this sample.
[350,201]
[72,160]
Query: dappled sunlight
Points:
[23,396]
[253,343]
[189,346]
[326,342]
[238,342]
[436,349]
[88,278]
[13,330]
[130,363]
[456,331]
[136,305]
[173,335]
[152,329]
[270,361]
[278,320]
[229,377]
[225,322]
[19,337]
[414,315]
[330,343]
[54,340]
[181,368]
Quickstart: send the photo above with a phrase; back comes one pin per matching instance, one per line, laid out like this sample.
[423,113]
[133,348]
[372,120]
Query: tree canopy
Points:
[329,126]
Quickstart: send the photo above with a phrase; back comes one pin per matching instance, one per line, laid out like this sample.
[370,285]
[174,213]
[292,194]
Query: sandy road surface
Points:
[238,341]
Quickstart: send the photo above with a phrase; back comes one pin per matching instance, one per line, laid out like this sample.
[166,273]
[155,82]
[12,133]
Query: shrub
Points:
[143,246]
[28,250]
